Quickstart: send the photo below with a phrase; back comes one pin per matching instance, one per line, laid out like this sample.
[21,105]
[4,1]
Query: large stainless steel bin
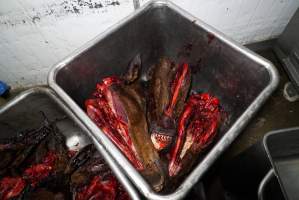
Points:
[23,112]
[240,78]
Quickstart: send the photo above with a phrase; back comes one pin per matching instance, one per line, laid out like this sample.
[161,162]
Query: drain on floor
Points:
[290,92]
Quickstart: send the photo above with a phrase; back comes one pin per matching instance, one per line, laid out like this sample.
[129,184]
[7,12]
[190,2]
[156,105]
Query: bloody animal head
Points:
[168,102]
[118,108]
[159,88]
[196,129]
[163,132]
[108,113]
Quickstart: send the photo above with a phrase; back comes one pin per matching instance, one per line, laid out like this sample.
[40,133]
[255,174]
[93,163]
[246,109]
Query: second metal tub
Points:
[23,112]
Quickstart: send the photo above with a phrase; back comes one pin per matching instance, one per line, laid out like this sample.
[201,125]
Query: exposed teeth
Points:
[160,141]
[161,137]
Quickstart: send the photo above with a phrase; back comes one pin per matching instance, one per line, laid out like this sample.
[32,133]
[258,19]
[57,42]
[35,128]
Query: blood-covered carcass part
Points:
[14,151]
[93,167]
[49,158]
[105,110]
[80,158]
[159,91]
[118,108]
[169,87]
[179,91]
[11,187]
[38,172]
[94,180]
[34,163]
[197,126]
[118,111]
[56,184]
[98,189]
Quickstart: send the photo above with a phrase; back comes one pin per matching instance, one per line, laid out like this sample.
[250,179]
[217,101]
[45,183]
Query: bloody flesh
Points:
[106,115]
[180,127]
[98,189]
[118,108]
[176,88]
[45,167]
[11,187]
[197,127]
[36,173]
[94,180]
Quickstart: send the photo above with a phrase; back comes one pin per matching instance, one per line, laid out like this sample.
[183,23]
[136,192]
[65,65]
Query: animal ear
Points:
[133,71]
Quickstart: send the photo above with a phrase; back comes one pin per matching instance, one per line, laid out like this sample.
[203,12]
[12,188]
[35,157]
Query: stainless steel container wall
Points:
[282,147]
[240,78]
[23,112]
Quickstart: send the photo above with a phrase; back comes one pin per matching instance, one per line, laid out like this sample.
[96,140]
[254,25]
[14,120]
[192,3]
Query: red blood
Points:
[196,128]
[36,173]
[11,187]
[105,84]
[109,116]
[98,190]
[176,87]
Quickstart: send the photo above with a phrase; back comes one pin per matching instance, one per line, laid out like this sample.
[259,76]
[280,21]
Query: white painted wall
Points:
[35,34]
[246,21]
